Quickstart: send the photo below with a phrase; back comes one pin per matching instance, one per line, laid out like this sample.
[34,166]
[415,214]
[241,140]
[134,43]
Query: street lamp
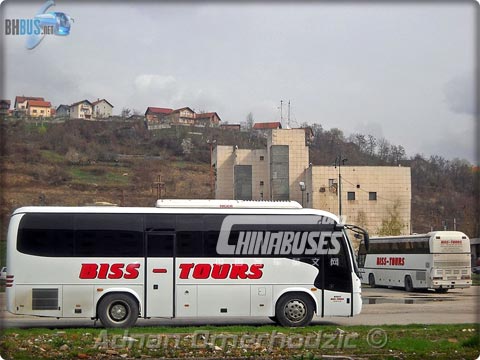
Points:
[339,162]
[302,189]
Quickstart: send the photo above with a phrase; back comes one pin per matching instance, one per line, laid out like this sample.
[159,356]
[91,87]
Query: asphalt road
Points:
[381,307]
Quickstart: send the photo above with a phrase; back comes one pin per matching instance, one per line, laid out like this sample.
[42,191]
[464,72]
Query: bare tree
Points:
[250,121]
[126,112]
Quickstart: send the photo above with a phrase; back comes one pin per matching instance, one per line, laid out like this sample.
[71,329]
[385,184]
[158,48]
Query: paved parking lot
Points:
[381,306]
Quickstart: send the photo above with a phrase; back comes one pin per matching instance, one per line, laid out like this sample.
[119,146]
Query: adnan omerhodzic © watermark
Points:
[205,339]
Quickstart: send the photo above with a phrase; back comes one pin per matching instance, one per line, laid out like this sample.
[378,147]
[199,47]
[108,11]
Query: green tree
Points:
[392,225]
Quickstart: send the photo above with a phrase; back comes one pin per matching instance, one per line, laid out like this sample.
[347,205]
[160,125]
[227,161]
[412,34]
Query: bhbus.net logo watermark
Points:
[44,23]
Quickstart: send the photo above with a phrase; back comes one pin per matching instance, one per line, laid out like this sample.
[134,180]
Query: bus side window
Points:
[160,222]
[160,245]
[189,236]
[337,270]
[109,235]
[212,225]
[46,235]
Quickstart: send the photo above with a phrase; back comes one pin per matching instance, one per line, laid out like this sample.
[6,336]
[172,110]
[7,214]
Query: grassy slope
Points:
[402,342]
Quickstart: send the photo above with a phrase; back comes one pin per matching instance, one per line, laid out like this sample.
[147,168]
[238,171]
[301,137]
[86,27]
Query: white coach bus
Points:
[438,260]
[182,258]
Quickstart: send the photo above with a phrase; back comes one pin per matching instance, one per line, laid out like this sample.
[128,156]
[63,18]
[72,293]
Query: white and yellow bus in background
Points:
[182,258]
[438,260]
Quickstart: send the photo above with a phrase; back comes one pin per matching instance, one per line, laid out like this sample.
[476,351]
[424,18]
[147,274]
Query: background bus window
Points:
[46,235]
[108,235]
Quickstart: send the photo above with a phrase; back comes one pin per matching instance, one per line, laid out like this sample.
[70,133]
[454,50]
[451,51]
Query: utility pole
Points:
[338,162]
[160,186]
[212,183]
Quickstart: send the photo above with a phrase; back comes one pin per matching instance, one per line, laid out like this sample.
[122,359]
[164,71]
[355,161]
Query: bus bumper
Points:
[448,284]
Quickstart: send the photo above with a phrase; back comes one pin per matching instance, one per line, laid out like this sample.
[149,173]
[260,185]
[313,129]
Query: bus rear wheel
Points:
[408,284]
[371,280]
[118,311]
[295,309]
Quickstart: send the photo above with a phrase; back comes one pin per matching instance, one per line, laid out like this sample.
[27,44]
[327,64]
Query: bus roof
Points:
[172,210]
[436,234]
[227,204]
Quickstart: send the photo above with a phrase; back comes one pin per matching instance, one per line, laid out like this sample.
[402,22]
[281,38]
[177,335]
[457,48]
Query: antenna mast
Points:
[288,118]
[281,111]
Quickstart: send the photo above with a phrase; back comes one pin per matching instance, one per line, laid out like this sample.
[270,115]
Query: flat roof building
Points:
[375,197]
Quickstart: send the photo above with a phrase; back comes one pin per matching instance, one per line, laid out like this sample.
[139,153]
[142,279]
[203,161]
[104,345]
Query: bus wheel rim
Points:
[295,310]
[118,312]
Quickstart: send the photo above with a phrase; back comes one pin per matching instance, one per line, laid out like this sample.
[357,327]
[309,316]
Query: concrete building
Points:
[370,195]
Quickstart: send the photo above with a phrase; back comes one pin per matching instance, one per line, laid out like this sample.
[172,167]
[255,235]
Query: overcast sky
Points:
[402,71]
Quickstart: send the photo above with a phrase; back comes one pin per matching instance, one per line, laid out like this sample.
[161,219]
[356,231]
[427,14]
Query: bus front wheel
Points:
[371,280]
[118,311]
[274,319]
[441,290]
[408,283]
[295,309]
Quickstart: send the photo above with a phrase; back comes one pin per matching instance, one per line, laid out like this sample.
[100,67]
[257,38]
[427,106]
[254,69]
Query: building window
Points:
[34,111]
[41,111]
[351,195]
[308,198]
[261,183]
[262,158]
[332,182]
[372,195]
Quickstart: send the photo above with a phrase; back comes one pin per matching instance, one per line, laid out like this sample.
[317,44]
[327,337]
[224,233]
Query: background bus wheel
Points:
[408,283]
[371,280]
[294,309]
[118,311]
[441,290]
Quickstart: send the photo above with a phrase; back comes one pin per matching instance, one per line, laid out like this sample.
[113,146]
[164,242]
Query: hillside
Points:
[82,162]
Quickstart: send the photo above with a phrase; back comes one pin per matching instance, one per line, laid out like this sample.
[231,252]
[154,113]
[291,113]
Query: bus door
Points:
[160,273]
[337,283]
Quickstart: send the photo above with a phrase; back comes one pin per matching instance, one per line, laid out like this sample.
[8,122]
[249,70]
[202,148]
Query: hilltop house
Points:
[4,107]
[63,110]
[182,116]
[231,127]
[38,108]
[102,109]
[20,106]
[155,114]
[207,119]
[81,110]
